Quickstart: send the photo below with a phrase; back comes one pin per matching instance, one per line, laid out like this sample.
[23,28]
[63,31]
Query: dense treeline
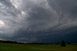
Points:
[15,42]
[2,41]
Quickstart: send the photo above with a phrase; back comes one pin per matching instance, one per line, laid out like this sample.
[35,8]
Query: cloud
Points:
[40,15]
[66,10]
[9,17]
[28,17]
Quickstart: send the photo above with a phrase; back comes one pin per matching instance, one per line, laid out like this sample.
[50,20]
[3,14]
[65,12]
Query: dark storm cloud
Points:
[62,17]
[53,13]
[41,19]
[65,6]
[27,20]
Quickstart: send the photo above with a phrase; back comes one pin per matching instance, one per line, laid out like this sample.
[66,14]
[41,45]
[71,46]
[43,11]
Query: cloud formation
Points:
[27,17]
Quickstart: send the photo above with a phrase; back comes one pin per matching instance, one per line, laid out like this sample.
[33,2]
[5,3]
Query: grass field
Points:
[31,47]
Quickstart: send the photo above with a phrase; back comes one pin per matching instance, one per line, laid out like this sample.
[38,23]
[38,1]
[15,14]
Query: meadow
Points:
[35,47]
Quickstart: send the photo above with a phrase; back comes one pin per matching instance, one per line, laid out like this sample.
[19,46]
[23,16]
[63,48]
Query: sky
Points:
[42,21]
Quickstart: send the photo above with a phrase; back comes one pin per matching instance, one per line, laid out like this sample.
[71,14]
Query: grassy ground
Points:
[30,47]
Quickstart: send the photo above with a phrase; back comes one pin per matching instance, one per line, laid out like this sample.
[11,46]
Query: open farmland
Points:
[35,47]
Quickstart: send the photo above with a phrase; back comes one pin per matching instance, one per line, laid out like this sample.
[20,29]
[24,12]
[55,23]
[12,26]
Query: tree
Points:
[63,43]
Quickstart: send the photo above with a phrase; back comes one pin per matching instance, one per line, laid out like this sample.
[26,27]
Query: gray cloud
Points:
[27,17]
[9,15]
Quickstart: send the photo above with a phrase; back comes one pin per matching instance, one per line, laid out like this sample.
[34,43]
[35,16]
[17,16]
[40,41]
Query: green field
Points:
[31,47]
